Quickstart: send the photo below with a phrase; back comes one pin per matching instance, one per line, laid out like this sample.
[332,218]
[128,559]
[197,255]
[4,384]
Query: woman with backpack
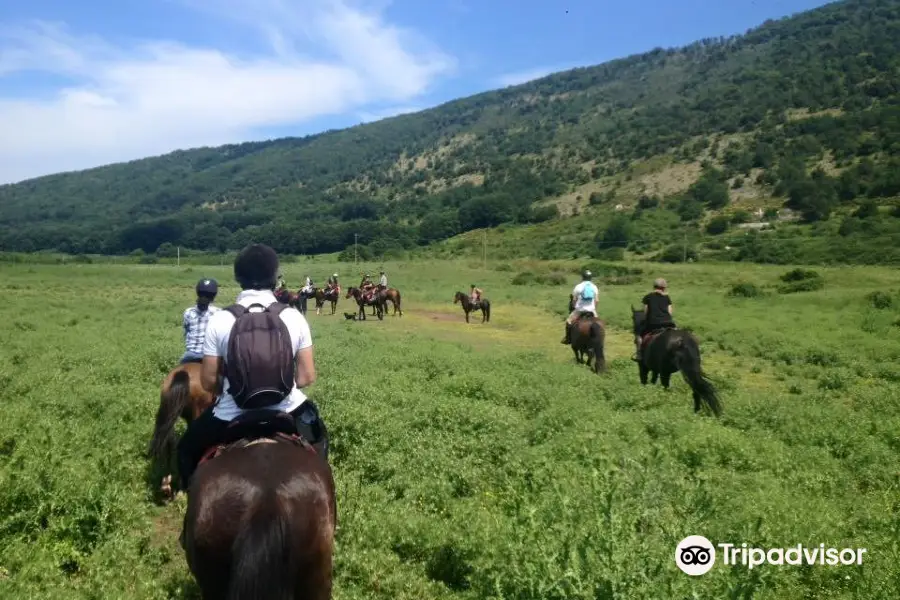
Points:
[584,296]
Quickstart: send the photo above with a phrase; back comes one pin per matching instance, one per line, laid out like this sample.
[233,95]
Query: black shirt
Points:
[658,314]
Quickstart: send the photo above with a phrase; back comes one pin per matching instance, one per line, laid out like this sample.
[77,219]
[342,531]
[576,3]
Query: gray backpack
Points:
[260,363]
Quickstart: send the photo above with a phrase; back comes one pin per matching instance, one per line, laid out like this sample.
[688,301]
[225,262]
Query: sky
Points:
[93,82]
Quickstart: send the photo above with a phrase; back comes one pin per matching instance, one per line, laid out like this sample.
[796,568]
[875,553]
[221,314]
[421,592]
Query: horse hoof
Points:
[166,488]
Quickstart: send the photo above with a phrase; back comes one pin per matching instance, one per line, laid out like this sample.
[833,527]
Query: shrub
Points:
[880,300]
[801,280]
[717,225]
[745,289]
[530,278]
[676,253]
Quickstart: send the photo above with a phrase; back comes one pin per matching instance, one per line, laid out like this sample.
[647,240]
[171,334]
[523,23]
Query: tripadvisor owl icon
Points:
[695,555]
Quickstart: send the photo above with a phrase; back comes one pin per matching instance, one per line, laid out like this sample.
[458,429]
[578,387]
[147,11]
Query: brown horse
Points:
[331,295]
[286,296]
[588,335]
[375,301]
[180,395]
[261,516]
[484,305]
[392,295]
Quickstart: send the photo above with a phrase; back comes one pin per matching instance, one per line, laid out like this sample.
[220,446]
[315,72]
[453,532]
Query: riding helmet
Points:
[586,275]
[208,287]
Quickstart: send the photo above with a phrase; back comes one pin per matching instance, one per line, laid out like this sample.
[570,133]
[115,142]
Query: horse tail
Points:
[687,358]
[398,303]
[487,310]
[172,403]
[262,565]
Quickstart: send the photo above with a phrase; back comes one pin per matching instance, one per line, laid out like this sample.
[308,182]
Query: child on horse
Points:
[475,294]
[657,314]
[195,319]
[585,297]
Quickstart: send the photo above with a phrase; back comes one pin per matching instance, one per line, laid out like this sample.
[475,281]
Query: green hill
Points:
[675,146]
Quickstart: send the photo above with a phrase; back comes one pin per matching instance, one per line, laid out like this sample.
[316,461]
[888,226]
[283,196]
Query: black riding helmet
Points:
[256,267]
[207,287]
[586,275]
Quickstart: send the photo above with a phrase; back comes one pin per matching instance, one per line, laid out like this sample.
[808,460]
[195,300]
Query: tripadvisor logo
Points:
[696,555]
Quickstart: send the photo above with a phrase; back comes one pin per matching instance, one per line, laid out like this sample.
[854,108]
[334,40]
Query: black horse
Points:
[483,304]
[672,350]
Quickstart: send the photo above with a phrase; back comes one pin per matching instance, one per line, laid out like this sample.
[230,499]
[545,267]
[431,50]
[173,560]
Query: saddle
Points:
[262,426]
[648,337]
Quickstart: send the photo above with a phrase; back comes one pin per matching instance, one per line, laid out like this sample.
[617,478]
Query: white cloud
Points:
[160,95]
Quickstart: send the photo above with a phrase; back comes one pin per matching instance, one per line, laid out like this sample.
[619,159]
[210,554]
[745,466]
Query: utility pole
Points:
[356,249]
[484,249]
[179,256]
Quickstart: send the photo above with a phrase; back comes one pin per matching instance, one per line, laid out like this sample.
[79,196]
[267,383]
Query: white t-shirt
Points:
[218,330]
[581,303]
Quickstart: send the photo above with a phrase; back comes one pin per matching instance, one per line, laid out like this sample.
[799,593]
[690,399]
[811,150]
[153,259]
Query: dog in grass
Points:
[351,316]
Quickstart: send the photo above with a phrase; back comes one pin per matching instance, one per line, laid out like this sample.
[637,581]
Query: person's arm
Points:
[670,307]
[305,371]
[212,362]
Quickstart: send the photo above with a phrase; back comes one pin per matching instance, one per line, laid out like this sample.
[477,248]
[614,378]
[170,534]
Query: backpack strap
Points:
[236,310]
[276,308]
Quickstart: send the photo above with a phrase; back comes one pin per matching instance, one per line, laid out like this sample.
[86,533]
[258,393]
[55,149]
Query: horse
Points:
[322,295]
[587,337]
[285,296]
[484,305]
[375,301]
[261,515]
[392,295]
[671,350]
[181,395]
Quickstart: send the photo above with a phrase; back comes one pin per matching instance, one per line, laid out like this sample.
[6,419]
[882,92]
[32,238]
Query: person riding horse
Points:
[366,286]
[195,319]
[475,294]
[382,284]
[658,313]
[274,361]
[585,298]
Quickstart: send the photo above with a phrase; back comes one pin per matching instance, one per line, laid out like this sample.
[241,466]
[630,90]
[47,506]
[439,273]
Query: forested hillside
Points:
[802,113]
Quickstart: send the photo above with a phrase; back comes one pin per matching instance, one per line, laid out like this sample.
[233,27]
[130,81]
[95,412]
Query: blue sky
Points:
[92,82]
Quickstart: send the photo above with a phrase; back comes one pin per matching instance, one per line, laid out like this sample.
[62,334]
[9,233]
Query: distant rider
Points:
[657,313]
[382,284]
[475,294]
[195,319]
[585,296]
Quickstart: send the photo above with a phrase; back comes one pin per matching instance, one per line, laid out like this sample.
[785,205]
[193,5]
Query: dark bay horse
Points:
[180,395]
[375,301]
[671,350]
[484,305]
[391,295]
[286,296]
[588,338]
[331,295]
[260,520]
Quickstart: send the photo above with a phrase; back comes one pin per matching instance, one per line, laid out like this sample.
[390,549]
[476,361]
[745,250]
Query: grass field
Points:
[477,461]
